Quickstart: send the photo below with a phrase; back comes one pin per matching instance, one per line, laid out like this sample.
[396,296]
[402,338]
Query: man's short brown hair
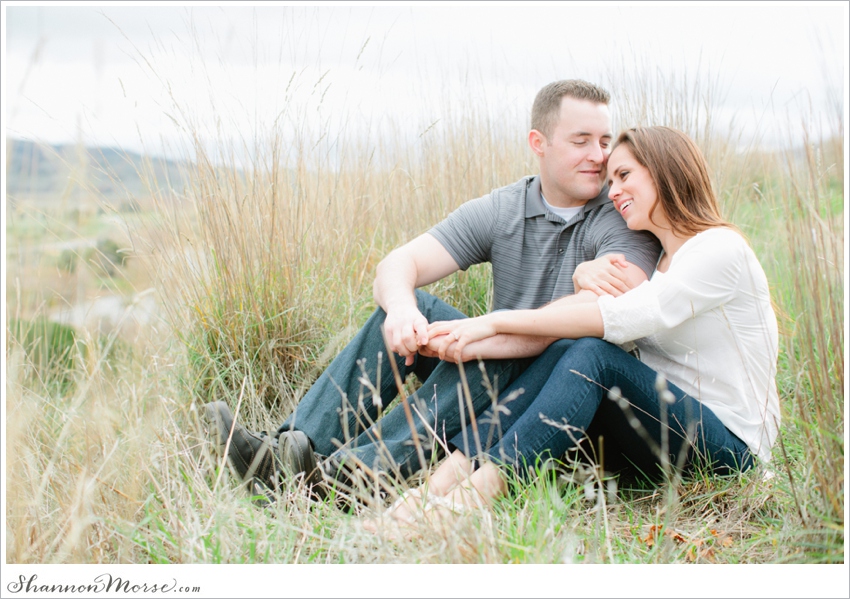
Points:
[547,104]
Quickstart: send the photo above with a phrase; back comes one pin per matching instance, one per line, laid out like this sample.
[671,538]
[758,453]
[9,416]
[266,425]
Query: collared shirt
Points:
[533,252]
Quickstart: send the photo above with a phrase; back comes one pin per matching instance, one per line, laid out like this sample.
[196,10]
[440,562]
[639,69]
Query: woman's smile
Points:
[631,189]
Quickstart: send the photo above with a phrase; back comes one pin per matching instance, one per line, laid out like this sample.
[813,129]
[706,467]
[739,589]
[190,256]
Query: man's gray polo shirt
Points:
[532,250]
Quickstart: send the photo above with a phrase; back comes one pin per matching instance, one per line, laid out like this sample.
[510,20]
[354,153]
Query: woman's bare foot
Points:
[412,504]
[403,511]
[452,472]
[452,489]
[480,489]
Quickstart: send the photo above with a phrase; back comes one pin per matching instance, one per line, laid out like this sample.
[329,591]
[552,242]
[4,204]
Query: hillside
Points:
[45,172]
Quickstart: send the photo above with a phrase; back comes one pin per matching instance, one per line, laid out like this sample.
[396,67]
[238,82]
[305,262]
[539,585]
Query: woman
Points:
[704,322]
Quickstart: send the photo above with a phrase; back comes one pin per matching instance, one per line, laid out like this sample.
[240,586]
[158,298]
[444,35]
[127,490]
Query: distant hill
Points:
[36,171]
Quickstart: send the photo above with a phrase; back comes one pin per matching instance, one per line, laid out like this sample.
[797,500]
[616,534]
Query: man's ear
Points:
[536,141]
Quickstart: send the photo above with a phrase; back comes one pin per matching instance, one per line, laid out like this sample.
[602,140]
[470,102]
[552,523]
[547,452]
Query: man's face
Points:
[573,157]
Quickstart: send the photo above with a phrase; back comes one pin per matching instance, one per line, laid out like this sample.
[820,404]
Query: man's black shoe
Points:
[297,457]
[258,458]
[252,455]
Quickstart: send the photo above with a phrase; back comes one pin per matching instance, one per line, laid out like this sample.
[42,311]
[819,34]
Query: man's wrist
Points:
[401,307]
[400,301]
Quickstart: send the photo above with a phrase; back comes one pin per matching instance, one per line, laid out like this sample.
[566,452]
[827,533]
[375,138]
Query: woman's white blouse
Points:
[707,324]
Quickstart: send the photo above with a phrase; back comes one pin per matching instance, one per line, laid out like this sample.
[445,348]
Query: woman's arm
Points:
[611,274]
[567,318]
[704,275]
[497,347]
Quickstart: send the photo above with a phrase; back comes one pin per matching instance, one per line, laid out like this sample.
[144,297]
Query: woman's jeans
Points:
[557,406]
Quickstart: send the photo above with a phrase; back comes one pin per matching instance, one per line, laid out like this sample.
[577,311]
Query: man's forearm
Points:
[394,284]
[582,297]
[511,346]
[416,263]
[506,347]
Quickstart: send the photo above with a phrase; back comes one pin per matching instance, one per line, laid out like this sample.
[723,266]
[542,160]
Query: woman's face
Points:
[632,190]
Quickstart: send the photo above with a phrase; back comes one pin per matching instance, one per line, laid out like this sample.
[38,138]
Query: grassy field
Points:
[261,259]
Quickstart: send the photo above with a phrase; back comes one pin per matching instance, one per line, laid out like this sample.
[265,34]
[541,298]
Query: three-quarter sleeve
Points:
[703,275]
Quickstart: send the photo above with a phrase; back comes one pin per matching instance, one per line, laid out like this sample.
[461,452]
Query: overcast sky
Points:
[112,74]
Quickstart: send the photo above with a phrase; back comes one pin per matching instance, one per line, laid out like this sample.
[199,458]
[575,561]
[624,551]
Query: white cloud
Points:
[229,66]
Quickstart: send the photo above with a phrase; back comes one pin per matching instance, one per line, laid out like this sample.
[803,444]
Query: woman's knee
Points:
[590,356]
[593,345]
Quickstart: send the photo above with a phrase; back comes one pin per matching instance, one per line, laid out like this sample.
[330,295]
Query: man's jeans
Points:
[341,413]
[575,393]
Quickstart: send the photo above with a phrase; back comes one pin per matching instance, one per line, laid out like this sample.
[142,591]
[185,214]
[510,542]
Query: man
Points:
[534,233]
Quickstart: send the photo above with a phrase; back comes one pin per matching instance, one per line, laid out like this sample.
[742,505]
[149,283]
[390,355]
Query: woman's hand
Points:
[450,337]
[604,276]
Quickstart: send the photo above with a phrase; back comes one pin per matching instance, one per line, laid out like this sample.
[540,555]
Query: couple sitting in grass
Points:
[623,304]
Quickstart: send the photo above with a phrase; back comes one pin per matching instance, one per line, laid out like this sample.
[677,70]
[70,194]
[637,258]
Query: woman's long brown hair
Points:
[680,174]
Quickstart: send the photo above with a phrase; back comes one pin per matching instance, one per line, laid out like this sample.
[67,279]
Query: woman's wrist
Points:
[497,320]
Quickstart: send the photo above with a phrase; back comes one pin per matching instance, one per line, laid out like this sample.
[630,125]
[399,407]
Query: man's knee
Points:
[424,300]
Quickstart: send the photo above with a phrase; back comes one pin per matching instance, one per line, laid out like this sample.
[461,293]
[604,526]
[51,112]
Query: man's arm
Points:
[418,262]
[569,318]
[608,239]
[498,347]
[505,346]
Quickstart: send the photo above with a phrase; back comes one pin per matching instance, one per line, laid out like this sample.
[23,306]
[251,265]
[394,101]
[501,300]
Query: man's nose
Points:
[597,153]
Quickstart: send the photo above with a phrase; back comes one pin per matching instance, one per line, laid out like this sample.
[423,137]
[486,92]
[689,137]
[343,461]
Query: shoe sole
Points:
[218,420]
[297,456]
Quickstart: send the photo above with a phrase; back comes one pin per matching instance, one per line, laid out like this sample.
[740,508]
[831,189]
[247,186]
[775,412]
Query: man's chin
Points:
[591,192]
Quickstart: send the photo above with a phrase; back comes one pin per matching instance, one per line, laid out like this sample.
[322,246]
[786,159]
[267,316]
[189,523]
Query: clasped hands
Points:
[444,339]
[447,339]
[408,331]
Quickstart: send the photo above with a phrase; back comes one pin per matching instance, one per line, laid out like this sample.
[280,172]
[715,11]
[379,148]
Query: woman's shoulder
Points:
[726,234]
[712,249]
[720,239]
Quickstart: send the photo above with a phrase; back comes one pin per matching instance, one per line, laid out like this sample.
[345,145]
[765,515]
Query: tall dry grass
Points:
[271,258]
[264,254]
[814,345]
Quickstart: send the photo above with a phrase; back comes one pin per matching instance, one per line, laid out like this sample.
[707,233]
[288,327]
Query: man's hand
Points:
[432,350]
[608,275]
[416,263]
[405,332]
